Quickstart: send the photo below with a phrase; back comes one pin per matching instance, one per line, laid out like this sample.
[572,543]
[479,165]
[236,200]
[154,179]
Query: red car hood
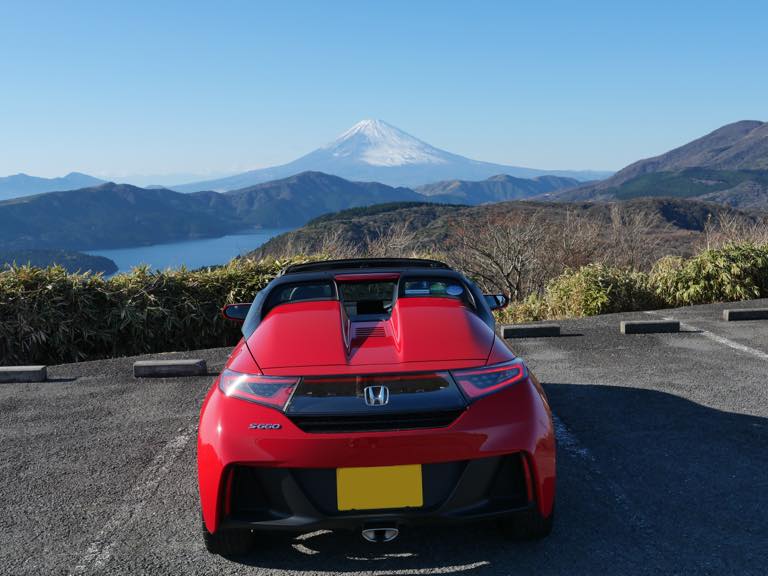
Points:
[316,337]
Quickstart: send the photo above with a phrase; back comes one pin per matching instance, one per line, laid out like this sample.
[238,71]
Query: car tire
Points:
[531,526]
[228,542]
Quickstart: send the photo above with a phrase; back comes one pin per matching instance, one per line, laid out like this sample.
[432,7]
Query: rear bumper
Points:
[305,499]
[289,463]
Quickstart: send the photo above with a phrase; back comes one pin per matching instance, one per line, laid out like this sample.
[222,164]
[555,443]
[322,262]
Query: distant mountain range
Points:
[105,216]
[373,150]
[497,188]
[120,215]
[25,185]
[675,225]
[728,166]
[294,200]
[370,151]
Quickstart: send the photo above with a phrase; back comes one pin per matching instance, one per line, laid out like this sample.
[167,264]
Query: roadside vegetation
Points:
[48,315]
[580,269]
[577,268]
[579,265]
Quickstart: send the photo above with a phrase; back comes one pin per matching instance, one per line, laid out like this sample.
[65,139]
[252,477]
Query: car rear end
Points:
[416,438]
[327,460]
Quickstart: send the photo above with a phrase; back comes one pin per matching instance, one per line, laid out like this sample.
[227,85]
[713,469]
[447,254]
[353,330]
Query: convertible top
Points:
[327,270]
[365,263]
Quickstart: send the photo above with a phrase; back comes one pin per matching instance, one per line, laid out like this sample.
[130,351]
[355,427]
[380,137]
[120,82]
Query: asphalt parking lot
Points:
[663,467]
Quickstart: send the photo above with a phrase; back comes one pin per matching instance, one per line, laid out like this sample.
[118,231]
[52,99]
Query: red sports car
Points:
[368,395]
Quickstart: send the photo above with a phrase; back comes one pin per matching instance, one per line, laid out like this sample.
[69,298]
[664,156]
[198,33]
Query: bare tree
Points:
[574,243]
[391,240]
[731,227]
[500,253]
[634,238]
[335,243]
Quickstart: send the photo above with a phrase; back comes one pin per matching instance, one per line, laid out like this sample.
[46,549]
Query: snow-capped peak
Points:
[377,143]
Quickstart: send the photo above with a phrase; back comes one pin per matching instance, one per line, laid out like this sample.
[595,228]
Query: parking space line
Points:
[100,550]
[418,571]
[568,442]
[571,445]
[719,339]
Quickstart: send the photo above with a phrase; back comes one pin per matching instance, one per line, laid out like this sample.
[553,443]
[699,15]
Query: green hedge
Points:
[734,272]
[586,291]
[598,289]
[731,273]
[50,316]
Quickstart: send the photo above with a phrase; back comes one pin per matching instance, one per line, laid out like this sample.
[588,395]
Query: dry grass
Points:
[50,316]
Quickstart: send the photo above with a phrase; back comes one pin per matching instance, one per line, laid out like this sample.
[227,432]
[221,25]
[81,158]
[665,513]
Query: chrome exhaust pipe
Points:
[380,534]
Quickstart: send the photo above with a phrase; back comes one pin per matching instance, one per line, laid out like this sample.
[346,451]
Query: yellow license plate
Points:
[379,487]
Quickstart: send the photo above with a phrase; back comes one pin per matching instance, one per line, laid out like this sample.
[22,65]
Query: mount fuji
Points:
[373,150]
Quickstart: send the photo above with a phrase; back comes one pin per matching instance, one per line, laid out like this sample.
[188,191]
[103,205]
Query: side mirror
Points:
[496,301]
[236,312]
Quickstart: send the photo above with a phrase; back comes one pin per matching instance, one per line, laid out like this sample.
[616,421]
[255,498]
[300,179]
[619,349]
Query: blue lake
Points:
[192,253]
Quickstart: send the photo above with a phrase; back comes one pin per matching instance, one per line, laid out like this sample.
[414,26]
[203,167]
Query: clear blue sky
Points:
[157,87]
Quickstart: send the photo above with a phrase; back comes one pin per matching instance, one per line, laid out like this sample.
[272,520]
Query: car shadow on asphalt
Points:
[647,482]
[690,479]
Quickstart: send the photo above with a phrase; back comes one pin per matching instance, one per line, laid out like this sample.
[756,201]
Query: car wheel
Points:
[228,542]
[531,526]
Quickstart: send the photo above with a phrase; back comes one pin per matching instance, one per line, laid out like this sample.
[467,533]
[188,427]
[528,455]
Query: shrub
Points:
[531,309]
[50,316]
[733,272]
[598,289]
[585,291]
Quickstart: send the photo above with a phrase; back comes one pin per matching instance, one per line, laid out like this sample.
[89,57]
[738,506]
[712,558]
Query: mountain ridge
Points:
[498,188]
[21,184]
[373,150]
[728,165]
[120,215]
[722,149]
[678,222]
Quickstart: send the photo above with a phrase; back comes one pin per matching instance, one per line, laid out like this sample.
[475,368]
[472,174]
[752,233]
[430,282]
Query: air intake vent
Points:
[370,332]
[374,422]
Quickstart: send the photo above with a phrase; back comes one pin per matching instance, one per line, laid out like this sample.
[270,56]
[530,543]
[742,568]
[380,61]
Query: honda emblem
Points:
[376,395]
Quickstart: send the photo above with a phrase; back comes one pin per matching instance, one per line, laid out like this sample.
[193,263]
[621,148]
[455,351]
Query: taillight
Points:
[273,391]
[477,382]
